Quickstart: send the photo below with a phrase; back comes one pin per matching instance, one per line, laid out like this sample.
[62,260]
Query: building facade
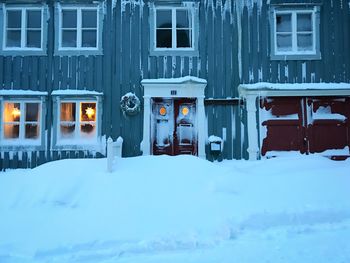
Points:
[213,78]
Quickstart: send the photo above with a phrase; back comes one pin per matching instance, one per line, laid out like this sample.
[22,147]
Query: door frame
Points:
[185,87]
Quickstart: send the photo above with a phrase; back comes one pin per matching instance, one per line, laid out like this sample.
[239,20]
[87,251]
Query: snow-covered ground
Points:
[177,210]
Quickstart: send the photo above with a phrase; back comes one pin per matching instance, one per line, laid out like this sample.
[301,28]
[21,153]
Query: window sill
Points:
[23,52]
[296,56]
[78,145]
[21,146]
[78,52]
[174,52]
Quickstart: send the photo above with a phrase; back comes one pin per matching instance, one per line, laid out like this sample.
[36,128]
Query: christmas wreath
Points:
[130,104]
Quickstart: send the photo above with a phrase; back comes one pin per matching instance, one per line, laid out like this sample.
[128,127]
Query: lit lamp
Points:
[16,113]
[90,112]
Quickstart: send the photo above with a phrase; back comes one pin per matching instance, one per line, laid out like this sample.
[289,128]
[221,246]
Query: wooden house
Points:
[225,79]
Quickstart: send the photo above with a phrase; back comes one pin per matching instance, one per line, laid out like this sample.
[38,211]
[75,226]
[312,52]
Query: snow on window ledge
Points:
[14,92]
[71,92]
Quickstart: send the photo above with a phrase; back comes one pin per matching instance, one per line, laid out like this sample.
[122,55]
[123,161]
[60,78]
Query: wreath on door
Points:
[130,104]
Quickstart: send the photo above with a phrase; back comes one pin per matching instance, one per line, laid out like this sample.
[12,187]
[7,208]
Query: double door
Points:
[173,126]
[305,124]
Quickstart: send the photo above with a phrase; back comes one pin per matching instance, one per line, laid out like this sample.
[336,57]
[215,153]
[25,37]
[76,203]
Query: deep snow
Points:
[177,209]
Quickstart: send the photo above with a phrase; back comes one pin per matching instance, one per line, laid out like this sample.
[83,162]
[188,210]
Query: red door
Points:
[308,125]
[173,126]
[283,121]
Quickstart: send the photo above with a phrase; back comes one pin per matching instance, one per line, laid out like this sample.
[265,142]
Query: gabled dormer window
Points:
[79,28]
[295,33]
[23,29]
[174,29]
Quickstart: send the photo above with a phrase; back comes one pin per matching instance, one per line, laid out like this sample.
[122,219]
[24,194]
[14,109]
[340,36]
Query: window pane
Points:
[69,38]
[13,38]
[32,131]
[183,38]
[163,19]
[164,38]
[12,112]
[34,19]
[11,131]
[69,19]
[67,130]
[67,112]
[33,39]
[284,42]
[32,111]
[14,19]
[87,130]
[184,133]
[183,19]
[89,38]
[305,42]
[284,23]
[88,112]
[304,22]
[89,18]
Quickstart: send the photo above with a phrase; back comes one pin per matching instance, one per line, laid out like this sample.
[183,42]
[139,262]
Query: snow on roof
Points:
[296,86]
[63,92]
[175,80]
[20,92]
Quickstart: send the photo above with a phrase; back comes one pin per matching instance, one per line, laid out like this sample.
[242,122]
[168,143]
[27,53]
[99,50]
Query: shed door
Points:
[308,125]
[173,126]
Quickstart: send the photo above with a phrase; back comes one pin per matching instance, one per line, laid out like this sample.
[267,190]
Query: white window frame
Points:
[23,28]
[22,123]
[294,32]
[174,29]
[79,10]
[78,139]
[294,54]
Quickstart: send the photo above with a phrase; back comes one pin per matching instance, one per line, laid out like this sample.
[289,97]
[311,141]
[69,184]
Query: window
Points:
[77,120]
[295,34]
[21,121]
[79,28]
[24,29]
[174,28]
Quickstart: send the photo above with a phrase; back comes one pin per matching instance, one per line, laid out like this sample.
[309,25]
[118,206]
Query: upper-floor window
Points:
[23,29]
[79,28]
[295,34]
[174,29]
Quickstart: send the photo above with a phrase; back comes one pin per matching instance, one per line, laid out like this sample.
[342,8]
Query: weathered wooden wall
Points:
[234,48]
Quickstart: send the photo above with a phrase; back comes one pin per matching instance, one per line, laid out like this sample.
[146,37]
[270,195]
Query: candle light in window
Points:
[185,111]
[90,112]
[16,113]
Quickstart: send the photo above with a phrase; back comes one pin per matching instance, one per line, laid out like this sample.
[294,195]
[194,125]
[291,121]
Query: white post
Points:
[119,147]
[253,147]
[201,127]
[110,155]
[146,142]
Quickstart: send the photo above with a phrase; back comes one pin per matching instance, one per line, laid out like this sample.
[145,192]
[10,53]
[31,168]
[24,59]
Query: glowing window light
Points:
[185,111]
[16,113]
[90,112]
[162,111]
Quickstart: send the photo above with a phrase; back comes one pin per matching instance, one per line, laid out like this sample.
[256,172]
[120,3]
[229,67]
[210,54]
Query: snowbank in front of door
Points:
[177,209]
